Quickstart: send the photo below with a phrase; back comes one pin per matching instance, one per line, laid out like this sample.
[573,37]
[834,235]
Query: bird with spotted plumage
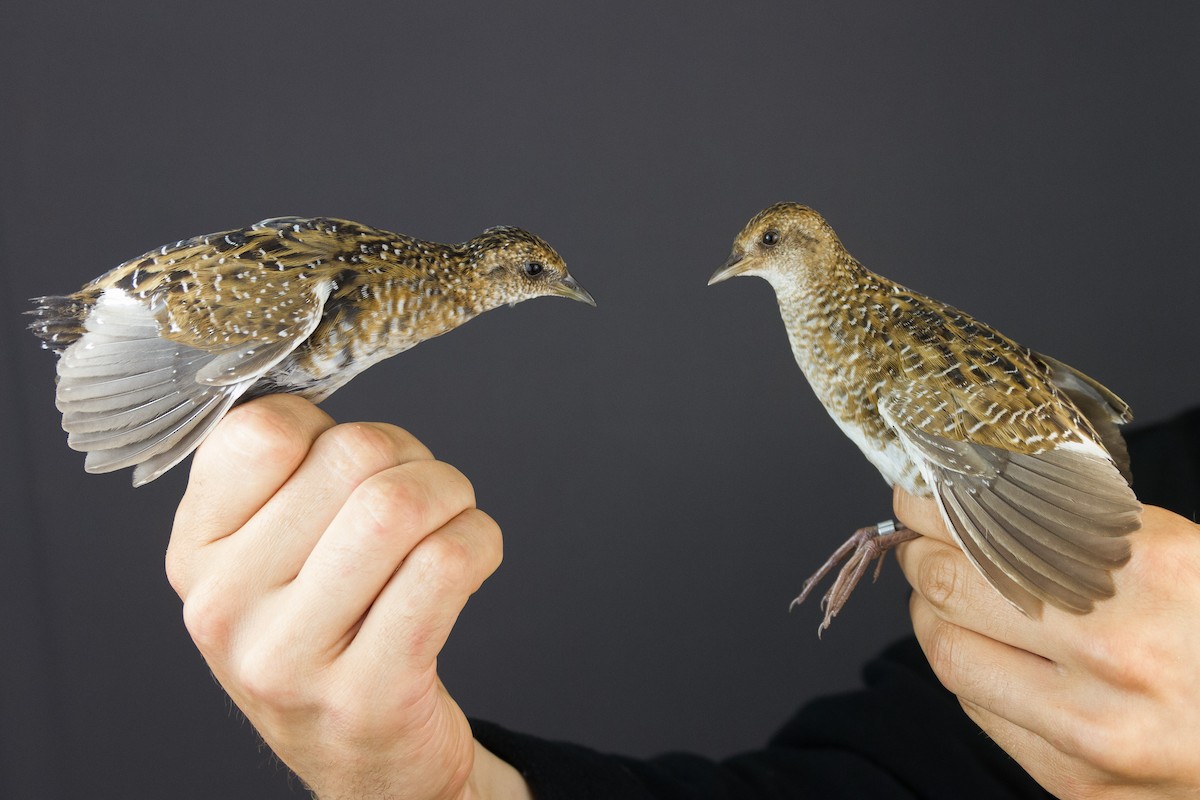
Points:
[1021,452]
[153,353]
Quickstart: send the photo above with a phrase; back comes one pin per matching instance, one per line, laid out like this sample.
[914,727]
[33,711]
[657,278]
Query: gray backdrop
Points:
[662,473]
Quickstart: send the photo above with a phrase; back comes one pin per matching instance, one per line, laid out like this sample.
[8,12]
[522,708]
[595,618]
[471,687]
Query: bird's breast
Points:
[848,378]
[363,325]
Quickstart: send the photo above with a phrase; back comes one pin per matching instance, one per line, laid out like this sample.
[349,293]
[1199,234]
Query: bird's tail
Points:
[58,320]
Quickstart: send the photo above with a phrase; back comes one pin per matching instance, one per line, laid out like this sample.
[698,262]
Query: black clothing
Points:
[1165,460]
[902,736]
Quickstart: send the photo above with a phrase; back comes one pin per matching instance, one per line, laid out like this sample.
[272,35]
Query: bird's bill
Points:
[567,287]
[738,264]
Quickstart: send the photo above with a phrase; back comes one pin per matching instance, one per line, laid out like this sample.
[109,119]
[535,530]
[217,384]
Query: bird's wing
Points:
[1103,409]
[229,287]
[131,396]
[1047,524]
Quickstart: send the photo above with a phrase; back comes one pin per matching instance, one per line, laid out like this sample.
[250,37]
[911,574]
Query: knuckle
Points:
[491,539]
[266,676]
[1127,662]
[1159,569]
[443,565]
[209,619]
[464,489]
[1115,745]
[944,647]
[368,446]
[178,569]
[1115,741]
[939,576]
[257,431]
[413,499]
[393,503]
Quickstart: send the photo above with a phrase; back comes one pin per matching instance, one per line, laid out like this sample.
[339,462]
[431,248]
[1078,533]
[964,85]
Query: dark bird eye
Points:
[770,238]
[533,268]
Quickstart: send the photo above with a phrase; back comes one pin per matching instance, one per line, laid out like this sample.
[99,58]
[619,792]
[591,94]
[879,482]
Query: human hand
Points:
[1105,705]
[322,568]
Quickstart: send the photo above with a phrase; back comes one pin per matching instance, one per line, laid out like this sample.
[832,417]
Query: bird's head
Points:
[516,265]
[783,243]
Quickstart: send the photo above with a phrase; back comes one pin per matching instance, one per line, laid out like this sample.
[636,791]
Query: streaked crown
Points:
[520,265]
[784,242]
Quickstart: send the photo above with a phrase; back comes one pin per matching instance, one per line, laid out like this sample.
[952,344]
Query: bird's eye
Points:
[770,238]
[533,268]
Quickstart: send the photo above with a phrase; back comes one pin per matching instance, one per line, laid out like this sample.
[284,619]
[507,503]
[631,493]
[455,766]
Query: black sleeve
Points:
[902,736]
[1165,460]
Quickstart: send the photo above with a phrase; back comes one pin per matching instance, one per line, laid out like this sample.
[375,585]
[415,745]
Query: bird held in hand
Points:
[153,353]
[1021,452]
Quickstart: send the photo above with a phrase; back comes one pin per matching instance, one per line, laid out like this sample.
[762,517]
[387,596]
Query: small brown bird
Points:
[156,351]
[1021,452]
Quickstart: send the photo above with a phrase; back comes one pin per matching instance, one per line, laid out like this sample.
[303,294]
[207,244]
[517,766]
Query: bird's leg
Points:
[866,545]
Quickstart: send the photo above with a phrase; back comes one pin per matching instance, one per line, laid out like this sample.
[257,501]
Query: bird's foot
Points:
[868,544]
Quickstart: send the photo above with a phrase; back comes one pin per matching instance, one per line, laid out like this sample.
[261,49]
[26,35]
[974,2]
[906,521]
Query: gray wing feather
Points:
[1043,527]
[1103,409]
[244,362]
[132,398]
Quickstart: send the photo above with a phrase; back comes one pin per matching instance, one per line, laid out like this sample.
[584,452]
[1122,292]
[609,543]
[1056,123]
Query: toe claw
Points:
[864,546]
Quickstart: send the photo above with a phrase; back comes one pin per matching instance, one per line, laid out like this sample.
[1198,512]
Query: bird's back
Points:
[1020,451]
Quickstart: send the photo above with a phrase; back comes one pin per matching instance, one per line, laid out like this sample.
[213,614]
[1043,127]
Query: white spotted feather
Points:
[130,397]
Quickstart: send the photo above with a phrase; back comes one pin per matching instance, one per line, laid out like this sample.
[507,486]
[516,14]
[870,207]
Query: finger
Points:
[958,594]
[1007,681]
[411,619]
[920,514]
[381,523]
[1044,762]
[277,541]
[250,454]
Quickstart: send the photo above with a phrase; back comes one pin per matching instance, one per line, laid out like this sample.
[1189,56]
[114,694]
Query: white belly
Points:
[890,458]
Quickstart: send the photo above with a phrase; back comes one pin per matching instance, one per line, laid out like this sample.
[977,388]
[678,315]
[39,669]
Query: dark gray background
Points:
[662,473]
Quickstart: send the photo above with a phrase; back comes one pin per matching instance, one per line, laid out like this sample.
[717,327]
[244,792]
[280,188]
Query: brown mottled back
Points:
[155,351]
[1021,451]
